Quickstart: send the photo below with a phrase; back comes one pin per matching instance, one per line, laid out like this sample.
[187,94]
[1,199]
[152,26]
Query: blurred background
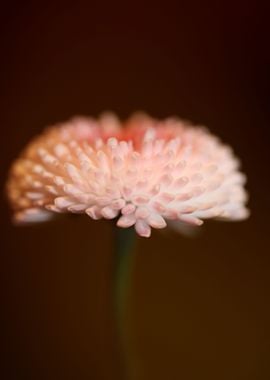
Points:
[198,308]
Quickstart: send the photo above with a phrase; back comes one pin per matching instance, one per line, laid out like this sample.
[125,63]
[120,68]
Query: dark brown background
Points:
[199,308]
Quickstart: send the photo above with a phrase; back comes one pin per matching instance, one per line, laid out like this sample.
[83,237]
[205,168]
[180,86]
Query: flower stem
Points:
[124,243]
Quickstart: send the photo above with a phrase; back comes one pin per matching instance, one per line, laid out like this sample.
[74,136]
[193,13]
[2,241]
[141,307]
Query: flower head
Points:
[145,173]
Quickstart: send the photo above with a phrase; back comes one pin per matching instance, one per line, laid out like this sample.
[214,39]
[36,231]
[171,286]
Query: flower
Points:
[145,173]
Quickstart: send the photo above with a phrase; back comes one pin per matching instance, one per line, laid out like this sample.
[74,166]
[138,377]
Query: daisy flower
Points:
[143,172]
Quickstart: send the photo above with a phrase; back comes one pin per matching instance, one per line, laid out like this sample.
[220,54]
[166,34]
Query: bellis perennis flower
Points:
[144,173]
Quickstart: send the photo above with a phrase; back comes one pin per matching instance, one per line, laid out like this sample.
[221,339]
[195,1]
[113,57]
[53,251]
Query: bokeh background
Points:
[198,308]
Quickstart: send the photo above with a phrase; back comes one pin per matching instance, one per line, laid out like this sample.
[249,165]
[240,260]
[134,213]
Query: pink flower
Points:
[144,173]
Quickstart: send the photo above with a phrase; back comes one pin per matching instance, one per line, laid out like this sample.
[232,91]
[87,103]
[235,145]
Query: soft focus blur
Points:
[198,307]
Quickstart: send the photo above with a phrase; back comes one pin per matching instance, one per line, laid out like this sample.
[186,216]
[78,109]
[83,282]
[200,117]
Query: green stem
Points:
[124,243]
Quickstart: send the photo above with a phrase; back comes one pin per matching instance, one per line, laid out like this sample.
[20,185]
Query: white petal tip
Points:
[142,228]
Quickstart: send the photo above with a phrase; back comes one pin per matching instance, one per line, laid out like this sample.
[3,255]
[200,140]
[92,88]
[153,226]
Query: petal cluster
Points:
[144,172]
